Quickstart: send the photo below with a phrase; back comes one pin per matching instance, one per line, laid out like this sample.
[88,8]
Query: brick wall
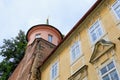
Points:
[35,54]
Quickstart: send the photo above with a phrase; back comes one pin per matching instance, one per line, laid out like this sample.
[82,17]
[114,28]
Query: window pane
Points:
[106,77]
[91,29]
[99,31]
[50,38]
[111,65]
[77,51]
[103,70]
[52,72]
[94,37]
[73,54]
[55,70]
[114,75]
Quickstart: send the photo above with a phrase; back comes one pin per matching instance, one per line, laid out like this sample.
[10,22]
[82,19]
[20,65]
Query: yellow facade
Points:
[94,56]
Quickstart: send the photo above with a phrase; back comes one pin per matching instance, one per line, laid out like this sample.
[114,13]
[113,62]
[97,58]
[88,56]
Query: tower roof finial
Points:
[47,21]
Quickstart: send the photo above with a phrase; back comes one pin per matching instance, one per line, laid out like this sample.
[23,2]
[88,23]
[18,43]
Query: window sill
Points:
[72,63]
[55,78]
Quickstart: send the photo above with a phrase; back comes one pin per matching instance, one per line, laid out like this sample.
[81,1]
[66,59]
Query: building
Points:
[42,39]
[90,51]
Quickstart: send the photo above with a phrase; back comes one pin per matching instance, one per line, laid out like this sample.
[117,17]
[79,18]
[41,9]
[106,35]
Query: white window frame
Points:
[96,26]
[116,4]
[108,72]
[54,67]
[76,55]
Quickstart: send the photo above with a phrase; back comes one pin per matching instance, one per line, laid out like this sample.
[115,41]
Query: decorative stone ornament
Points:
[101,47]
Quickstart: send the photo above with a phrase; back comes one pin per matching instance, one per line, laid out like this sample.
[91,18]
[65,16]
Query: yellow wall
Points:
[111,26]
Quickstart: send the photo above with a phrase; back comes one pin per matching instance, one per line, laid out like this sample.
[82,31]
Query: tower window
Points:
[37,36]
[50,37]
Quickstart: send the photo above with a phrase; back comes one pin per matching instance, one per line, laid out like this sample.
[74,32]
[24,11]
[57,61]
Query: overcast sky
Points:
[23,14]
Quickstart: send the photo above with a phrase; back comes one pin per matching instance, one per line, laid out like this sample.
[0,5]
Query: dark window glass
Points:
[111,65]
[106,77]
[114,75]
[103,70]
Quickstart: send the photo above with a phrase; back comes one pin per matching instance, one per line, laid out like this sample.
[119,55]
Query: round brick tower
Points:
[45,31]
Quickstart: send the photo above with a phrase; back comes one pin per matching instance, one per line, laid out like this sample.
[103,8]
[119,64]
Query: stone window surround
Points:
[105,64]
[81,73]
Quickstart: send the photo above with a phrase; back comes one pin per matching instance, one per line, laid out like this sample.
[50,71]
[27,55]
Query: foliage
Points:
[13,51]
